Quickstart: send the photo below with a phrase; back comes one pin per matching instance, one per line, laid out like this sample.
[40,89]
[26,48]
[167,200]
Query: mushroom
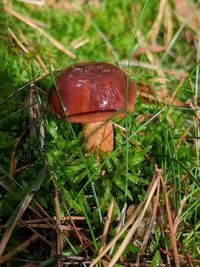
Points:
[91,93]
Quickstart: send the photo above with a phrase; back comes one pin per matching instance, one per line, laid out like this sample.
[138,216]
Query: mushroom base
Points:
[99,135]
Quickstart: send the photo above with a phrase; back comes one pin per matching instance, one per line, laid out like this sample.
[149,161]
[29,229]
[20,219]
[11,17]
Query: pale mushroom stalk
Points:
[99,135]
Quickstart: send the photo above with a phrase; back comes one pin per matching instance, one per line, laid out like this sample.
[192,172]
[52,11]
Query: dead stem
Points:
[18,249]
[30,23]
[151,224]
[171,224]
[74,228]
[139,212]
[106,226]
[8,232]
[59,230]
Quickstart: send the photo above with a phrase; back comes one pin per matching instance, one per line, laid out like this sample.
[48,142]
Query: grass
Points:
[152,175]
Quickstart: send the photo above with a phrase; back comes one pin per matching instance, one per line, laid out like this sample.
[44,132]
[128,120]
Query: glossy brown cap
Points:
[92,92]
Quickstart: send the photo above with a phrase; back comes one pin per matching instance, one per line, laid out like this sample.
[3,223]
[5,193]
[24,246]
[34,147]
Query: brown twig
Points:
[14,159]
[131,221]
[171,224]
[8,232]
[153,33]
[38,60]
[18,249]
[23,48]
[58,224]
[151,224]
[74,227]
[38,234]
[46,226]
[182,258]
[168,23]
[106,227]
[162,223]
[68,218]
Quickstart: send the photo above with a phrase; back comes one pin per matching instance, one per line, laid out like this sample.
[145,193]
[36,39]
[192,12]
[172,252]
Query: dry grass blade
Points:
[39,61]
[30,23]
[23,205]
[178,74]
[7,234]
[59,230]
[150,192]
[73,226]
[23,48]
[106,227]
[17,91]
[42,237]
[171,225]
[34,2]
[137,222]
[168,22]
[177,219]
[19,248]
[157,24]
[117,236]
[120,224]
[14,158]
[182,258]
[151,223]
[155,48]
[184,134]
[79,42]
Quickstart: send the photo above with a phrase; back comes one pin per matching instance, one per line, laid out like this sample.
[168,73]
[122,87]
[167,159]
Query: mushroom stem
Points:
[99,135]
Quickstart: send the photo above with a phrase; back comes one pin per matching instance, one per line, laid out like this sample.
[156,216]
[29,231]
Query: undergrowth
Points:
[163,131]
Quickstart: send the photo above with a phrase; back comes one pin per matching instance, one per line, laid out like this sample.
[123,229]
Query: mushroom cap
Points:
[91,92]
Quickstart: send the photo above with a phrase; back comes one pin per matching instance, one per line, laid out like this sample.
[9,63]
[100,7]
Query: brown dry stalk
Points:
[106,227]
[19,248]
[168,22]
[157,23]
[46,226]
[39,235]
[80,41]
[117,236]
[23,48]
[14,159]
[59,230]
[30,23]
[136,224]
[184,134]
[26,166]
[182,258]
[7,234]
[39,59]
[68,218]
[141,208]
[73,227]
[151,223]
[171,225]
[177,219]
[178,74]
[22,88]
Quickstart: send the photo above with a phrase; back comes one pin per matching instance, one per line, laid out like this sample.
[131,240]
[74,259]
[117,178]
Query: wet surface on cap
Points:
[91,92]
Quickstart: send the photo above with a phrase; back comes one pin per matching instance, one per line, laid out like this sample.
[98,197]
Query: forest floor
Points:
[137,205]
